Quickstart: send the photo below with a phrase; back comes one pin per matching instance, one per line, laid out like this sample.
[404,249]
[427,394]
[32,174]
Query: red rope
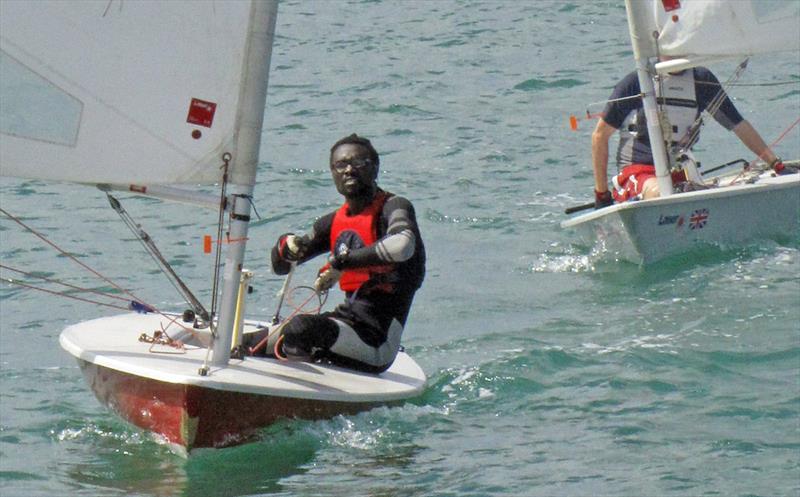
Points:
[771,146]
[264,341]
[290,302]
[783,135]
[778,140]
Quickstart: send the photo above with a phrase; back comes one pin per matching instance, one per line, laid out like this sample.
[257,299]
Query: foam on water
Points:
[554,369]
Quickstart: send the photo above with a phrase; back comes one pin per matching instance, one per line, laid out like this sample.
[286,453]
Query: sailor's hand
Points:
[777,165]
[679,176]
[602,199]
[328,276]
[292,248]
[340,260]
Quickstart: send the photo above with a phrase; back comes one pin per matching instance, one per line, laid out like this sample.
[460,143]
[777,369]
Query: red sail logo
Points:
[201,112]
[670,5]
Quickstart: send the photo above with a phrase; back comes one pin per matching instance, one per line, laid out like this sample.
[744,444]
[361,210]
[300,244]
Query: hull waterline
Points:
[194,417]
[159,388]
[648,231]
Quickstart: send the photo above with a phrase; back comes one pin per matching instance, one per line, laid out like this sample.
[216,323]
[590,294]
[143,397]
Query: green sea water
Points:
[553,370]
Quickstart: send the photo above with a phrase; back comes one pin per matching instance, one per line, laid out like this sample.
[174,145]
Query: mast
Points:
[643,44]
[242,175]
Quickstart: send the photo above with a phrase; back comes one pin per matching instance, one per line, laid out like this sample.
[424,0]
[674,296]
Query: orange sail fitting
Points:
[573,120]
[208,242]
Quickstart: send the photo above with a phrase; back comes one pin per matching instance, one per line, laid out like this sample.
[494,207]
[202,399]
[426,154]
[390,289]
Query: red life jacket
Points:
[365,226]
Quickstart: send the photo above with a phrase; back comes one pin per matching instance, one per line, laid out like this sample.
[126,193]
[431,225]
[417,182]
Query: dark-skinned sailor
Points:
[375,253]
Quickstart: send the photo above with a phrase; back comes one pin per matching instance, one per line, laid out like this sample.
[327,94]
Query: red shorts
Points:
[629,183]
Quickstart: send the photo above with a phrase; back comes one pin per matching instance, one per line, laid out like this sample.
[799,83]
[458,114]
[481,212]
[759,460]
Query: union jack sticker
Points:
[698,219]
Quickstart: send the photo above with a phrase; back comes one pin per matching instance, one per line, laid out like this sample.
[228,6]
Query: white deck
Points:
[113,342]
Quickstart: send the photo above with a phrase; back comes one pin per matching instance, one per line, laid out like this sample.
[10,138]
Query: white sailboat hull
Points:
[158,388]
[650,230]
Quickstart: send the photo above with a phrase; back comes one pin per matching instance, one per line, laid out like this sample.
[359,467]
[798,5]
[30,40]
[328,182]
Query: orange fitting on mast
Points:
[573,120]
[208,242]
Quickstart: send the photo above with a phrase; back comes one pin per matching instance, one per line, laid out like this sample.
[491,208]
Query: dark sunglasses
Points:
[341,166]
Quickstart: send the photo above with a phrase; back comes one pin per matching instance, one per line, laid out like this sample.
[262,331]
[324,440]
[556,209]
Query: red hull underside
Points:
[196,417]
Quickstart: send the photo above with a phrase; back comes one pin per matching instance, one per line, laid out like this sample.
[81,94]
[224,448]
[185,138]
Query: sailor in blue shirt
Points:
[686,95]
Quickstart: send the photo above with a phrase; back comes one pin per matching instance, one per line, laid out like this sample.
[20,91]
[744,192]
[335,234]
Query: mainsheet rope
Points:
[777,140]
[297,310]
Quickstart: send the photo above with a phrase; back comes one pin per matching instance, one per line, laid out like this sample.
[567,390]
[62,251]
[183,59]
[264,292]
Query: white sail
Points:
[120,91]
[722,28]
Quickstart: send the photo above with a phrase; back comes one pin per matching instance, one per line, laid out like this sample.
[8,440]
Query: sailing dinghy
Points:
[142,97]
[732,208]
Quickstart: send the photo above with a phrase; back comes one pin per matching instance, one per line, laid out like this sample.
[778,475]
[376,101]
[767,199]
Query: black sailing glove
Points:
[291,247]
[602,199]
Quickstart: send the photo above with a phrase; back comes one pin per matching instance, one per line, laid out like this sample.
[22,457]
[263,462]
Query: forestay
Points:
[112,92]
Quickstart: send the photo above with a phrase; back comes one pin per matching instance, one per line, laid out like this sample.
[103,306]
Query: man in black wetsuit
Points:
[375,253]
